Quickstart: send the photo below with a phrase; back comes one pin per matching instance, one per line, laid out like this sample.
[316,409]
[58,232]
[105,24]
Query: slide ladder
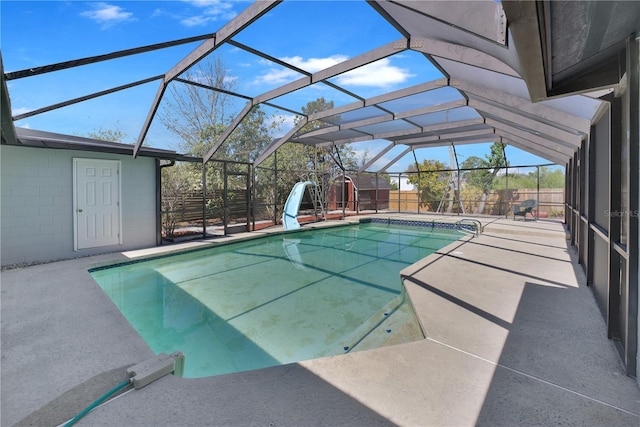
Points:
[292,205]
[451,191]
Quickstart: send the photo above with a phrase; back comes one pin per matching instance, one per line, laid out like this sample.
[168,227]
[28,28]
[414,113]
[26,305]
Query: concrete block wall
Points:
[36,205]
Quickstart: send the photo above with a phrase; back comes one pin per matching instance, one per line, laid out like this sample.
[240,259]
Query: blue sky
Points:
[309,34]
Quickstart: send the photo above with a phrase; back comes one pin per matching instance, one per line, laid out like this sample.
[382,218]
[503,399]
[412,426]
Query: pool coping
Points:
[240,237]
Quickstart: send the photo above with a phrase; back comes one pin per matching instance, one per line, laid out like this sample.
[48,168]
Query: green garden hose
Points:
[97,402]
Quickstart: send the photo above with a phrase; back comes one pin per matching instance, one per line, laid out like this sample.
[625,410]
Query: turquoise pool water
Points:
[277,299]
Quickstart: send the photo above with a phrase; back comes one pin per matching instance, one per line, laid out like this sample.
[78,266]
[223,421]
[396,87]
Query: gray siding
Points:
[37,204]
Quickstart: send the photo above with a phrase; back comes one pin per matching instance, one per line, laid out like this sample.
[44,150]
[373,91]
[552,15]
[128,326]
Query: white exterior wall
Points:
[36,210]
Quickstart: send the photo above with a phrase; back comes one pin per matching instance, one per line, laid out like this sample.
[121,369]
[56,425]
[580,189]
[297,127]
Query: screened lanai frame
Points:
[480,98]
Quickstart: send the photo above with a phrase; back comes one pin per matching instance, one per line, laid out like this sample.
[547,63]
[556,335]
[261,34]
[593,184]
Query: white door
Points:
[96,203]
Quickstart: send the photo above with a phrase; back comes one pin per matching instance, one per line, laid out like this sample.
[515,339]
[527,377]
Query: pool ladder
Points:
[468,221]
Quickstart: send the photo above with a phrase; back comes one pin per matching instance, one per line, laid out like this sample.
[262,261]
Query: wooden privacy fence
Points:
[403,200]
[551,201]
[186,207]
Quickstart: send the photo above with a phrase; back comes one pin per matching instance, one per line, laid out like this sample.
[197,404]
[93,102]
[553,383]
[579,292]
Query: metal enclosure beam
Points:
[29,72]
[483,19]
[84,98]
[423,87]
[538,110]
[538,151]
[536,127]
[278,143]
[514,133]
[244,19]
[633,245]
[401,155]
[386,118]
[524,26]
[8,129]
[464,54]
[444,142]
[350,64]
[376,157]
[236,122]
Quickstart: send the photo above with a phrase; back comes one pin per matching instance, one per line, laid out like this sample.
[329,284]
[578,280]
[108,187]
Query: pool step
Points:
[400,327]
[395,323]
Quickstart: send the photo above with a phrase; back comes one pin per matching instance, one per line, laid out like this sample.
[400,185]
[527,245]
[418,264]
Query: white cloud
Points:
[159,12]
[195,21]
[315,64]
[18,111]
[287,122]
[230,80]
[107,14]
[362,155]
[276,76]
[377,74]
[209,11]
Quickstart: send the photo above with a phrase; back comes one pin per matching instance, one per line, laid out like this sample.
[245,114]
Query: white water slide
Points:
[292,206]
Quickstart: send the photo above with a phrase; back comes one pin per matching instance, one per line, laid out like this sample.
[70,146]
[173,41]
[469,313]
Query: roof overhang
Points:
[41,139]
[571,47]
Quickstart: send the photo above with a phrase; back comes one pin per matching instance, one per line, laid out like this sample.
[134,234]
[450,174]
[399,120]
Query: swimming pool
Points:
[276,299]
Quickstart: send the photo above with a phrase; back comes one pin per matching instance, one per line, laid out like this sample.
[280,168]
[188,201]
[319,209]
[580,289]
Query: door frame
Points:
[74,190]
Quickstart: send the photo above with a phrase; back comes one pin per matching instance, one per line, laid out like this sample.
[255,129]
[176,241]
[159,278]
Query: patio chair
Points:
[523,208]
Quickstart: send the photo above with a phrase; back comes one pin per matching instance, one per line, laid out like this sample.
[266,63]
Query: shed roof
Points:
[42,139]
[369,182]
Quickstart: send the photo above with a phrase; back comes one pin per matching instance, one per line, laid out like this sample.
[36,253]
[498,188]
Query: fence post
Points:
[506,192]
[249,195]
[376,192]
[458,188]
[158,203]
[204,199]
[225,198]
[356,194]
[399,187]
[418,201]
[275,187]
[538,192]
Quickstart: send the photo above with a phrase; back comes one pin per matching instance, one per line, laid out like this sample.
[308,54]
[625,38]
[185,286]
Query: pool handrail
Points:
[476,223]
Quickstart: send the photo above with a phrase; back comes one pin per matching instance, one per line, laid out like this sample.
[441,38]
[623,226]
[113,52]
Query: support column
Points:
[633,108]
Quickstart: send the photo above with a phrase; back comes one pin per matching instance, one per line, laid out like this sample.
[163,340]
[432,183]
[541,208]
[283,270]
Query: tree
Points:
[176,182]
[199,113]
[432,184]
[551,178]
[484,178]
[299,162]
[196,113]
[112,135]
[393,185]
[548,179]
[331,159]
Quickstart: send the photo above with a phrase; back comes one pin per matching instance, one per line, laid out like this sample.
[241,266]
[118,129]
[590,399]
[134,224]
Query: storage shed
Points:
[67,196]
[361,192]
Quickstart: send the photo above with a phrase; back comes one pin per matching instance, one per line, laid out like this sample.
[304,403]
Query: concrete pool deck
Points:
[514,337]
